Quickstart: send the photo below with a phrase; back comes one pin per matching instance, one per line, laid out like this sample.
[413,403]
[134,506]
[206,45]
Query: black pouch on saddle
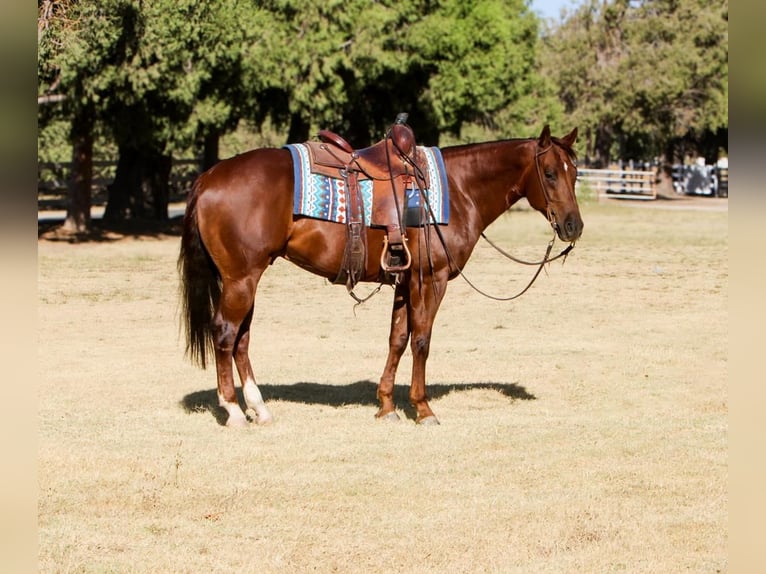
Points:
[415,214]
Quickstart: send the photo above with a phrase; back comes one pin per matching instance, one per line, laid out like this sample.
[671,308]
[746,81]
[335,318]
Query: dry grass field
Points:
[584,425]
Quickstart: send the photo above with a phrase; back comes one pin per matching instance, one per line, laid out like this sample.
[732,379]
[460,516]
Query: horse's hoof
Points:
[264,420]
[237,423]
[261,419]
[391,417]
[430,421]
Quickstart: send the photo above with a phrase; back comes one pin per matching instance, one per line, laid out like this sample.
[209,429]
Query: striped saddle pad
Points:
[324,197]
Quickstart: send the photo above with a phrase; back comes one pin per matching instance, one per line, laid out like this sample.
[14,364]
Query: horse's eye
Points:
[550,176]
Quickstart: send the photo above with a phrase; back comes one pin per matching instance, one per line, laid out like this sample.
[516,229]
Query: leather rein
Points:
[546,258]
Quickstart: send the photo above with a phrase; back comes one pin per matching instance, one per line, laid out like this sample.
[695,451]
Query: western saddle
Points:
[394,164]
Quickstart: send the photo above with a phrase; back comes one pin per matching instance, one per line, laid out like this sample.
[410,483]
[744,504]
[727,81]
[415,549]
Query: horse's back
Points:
[244,204]
[264,174]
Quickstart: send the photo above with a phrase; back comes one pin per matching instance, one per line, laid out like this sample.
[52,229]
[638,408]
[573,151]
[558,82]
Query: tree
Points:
[57,24]
[177,82]
[160,76]
[353,65]
[335,66]
[642,76]
[170,75]
[480,60]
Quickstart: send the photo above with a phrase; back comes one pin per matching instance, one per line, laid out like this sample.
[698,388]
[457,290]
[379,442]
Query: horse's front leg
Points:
[424,303]
[397,343]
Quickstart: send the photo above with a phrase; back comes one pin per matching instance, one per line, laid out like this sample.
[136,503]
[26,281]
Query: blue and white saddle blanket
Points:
[324,197]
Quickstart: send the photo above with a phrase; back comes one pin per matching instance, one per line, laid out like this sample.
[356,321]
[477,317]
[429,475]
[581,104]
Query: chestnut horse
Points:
[239,219]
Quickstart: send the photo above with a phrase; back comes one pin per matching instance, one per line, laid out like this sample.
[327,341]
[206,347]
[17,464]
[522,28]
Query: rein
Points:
[544,260]
[540,264]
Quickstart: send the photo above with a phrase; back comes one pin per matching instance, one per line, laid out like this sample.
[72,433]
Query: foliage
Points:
[482,55]
[640,76]
[165,72]
[354,65]
[169,76]
[159,72]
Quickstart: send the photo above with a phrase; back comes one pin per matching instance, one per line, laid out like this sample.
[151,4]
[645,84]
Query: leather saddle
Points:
[394,164]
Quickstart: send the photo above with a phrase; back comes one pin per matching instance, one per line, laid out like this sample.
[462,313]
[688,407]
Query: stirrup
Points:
[395,268]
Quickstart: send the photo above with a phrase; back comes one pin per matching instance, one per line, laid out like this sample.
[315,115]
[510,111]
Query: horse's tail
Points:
[200,286]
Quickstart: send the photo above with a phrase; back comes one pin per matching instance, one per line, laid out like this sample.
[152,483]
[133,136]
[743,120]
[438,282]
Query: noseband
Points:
[546,258]
[541,181]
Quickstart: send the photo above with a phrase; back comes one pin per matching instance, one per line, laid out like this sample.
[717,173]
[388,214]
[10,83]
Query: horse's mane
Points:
[476,146]
[569,150]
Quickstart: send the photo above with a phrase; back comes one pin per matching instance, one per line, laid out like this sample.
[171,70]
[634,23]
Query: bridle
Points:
[546,258]
[540,264]
[541,180]
[549,214]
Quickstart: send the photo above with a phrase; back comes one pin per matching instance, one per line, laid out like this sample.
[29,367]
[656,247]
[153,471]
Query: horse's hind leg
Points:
[230,341]
[256,408]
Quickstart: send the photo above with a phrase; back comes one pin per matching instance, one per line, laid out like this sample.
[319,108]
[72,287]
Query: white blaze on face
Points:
[566,167]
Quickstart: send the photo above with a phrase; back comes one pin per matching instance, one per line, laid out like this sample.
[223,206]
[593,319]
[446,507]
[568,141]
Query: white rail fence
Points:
[619,183]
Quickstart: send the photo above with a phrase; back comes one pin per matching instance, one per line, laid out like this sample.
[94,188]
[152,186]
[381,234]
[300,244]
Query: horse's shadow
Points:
[361,393]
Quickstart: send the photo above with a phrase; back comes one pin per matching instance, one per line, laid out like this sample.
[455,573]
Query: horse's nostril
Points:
[571,227]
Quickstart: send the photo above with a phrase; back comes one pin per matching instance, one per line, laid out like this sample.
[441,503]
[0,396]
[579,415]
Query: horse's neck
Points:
[491,176]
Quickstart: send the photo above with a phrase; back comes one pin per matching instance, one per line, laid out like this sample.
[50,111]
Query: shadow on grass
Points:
[101,231]
[359,393]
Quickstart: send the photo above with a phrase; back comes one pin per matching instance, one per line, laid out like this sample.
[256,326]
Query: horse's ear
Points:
[545,136]
[570,138]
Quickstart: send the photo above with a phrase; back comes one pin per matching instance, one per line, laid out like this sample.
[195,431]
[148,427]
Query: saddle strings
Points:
[399,212]
[425,208]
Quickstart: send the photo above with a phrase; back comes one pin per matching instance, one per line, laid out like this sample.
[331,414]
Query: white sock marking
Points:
[254,400]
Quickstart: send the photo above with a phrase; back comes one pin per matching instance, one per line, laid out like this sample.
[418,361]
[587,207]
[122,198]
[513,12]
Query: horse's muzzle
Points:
[571,228]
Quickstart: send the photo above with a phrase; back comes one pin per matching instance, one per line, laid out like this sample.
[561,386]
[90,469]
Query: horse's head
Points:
[551,187]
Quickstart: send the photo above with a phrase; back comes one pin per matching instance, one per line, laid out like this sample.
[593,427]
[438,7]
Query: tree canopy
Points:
[644,77]
[170,77]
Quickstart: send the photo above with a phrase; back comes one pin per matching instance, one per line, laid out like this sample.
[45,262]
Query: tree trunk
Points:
[358,134]
[127,178]
[664,179]
[155,185]
[81,177]
[210,151]
[141,187]
[299,129]
[602,145]
[424,126]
